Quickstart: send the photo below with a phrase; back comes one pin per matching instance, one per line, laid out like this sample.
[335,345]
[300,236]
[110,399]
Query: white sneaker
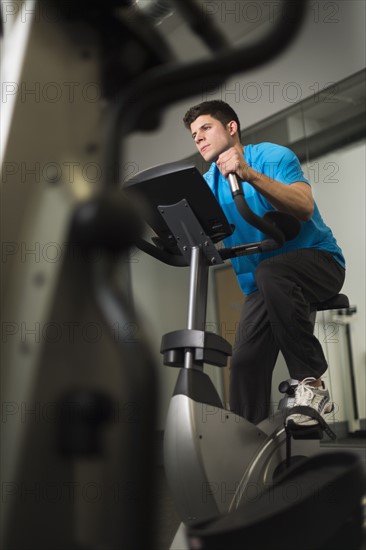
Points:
[310,396]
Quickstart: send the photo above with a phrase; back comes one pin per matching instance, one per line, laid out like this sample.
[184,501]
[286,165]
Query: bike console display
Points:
[160,187]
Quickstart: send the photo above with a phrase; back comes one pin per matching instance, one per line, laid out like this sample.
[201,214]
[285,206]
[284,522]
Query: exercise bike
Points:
[215,460]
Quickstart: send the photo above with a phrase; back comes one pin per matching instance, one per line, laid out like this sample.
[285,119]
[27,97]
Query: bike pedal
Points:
[304,432]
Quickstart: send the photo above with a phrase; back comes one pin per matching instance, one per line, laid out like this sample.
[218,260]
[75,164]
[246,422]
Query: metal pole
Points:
[198,284]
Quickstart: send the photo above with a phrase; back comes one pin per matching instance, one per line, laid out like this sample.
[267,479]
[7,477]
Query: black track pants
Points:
[276,317]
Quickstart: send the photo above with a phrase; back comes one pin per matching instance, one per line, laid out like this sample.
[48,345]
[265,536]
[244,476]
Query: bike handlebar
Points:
[267,227]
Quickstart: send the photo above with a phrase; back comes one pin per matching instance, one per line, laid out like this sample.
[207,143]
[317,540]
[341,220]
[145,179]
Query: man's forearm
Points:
[295,198]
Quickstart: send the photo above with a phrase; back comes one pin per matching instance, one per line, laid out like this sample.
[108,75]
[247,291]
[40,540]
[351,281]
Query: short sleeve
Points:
[289,168]
[278,162]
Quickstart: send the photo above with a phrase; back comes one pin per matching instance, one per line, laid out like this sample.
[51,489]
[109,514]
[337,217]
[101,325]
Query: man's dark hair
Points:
[216,108]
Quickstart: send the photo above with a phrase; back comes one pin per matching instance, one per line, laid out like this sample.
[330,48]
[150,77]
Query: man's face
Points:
[211,137]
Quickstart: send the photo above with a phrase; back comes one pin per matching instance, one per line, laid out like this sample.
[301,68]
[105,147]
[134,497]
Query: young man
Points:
[281,285]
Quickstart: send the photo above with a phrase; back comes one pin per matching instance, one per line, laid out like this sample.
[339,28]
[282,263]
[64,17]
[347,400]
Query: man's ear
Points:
[233,127]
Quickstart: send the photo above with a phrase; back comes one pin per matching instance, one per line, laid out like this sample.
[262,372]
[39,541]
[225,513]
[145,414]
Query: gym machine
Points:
[214,459]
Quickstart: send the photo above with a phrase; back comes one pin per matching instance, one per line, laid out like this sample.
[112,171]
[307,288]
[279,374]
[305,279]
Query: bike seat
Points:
[339,301]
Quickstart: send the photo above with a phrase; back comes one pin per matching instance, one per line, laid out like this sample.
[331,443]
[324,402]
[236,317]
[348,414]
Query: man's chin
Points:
[210,157]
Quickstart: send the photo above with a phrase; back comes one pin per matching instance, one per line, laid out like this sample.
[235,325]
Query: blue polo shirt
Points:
[281,164]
